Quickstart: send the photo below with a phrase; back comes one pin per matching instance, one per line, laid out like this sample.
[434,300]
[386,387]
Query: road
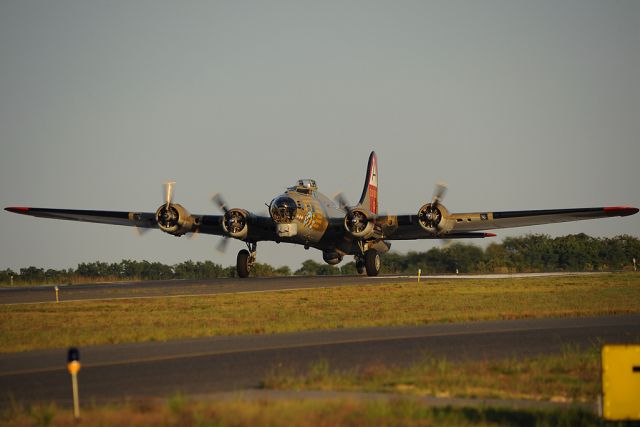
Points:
[170,288]
[210,365]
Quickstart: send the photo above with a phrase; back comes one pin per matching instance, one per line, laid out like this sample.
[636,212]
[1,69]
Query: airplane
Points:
[304,216]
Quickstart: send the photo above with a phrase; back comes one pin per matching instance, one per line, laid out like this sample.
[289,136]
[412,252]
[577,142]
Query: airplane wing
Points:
[207,224]
[471,224]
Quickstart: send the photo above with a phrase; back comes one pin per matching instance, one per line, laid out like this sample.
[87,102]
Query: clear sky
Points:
[516,104]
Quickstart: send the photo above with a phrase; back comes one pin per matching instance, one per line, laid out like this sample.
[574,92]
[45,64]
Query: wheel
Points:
[242,265]
[372,262]
[360,266]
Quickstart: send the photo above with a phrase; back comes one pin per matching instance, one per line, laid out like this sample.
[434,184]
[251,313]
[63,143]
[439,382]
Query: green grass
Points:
[572,376]
[182,412]
[49,325]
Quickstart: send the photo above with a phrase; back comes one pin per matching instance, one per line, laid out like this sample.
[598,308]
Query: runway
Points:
[210,365]
[174,288]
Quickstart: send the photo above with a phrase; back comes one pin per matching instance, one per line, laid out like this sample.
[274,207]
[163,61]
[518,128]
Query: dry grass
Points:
[572,376]
[179,411]
[37,326]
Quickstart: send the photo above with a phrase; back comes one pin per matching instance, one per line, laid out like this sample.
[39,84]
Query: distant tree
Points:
[32,274]
[533,252]
[392,262]
[349,268]
[497,259]
[6,275]
[266,270]
[312,268]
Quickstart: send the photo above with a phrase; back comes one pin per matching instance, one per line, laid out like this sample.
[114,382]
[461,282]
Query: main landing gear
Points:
[372,262]
[369,262]
[246,260]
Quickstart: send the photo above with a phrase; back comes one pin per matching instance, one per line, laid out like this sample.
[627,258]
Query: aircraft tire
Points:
[242,264]
[372,262]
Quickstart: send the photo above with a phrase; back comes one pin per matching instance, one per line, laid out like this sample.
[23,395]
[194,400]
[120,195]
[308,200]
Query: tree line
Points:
[530,253]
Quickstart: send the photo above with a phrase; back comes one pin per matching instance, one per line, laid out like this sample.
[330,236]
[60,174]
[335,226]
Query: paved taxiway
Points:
[170,288]
[209,365]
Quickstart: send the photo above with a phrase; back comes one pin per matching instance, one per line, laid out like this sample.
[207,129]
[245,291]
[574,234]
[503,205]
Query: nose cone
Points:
[283,209]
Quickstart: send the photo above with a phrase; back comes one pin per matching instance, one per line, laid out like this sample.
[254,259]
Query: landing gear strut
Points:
[369,260]
[246,259]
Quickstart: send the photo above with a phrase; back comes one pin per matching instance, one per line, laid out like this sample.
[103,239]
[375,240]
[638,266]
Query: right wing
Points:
[472,224]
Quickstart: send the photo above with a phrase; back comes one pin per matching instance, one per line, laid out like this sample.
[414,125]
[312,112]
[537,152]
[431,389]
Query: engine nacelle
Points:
[359,223]
[235,223]
[174,219]
[434,219]
[331,258]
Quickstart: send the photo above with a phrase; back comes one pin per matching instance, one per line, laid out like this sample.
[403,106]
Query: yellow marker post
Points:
[73,366]
[419,273]
[621,382]
[57,299]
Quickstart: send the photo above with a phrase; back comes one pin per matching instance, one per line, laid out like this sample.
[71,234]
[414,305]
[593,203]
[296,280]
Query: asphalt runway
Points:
[218,364]
[173,288]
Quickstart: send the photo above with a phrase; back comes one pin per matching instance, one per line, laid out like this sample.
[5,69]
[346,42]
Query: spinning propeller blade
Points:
[220,202]
[168,192]
[439,192]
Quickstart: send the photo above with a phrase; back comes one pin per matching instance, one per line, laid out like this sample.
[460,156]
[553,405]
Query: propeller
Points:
[438,193]
[168,192]
[222,245]
[341,201]
[142,231]
[430,215]
[167,196]
[220,202]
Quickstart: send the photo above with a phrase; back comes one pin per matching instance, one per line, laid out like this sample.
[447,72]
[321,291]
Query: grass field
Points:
[570,377]
[179,411]
[49,325]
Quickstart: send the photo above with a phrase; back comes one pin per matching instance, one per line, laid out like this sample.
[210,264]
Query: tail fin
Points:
[369,198]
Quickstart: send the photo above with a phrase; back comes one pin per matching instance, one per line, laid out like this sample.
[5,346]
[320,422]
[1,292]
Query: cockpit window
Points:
[307,183]
[283,209]
[306,186]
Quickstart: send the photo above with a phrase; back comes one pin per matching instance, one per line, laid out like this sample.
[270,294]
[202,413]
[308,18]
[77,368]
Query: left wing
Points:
[206,224]
[470,225]
[134,219]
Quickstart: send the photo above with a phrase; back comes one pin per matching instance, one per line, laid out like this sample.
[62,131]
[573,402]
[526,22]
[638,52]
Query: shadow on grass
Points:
[518,417]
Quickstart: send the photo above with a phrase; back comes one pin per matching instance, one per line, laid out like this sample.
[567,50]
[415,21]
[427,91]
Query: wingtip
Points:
[620,210]
[17,209]
[490,235]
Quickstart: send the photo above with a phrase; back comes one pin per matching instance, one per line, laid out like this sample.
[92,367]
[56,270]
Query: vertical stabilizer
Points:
[369,198]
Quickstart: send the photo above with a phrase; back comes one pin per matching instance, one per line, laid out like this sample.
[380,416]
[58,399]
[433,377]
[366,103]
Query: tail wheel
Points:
[243,265]
[372,262]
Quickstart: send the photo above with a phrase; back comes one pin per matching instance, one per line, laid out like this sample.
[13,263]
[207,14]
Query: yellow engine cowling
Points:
[235,223]
[359,223]
[175,220]
[434,219]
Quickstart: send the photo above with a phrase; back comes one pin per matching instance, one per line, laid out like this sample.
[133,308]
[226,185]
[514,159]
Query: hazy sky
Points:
[516,104]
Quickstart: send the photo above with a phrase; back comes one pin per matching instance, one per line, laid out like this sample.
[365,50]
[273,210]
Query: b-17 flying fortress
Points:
[304,216]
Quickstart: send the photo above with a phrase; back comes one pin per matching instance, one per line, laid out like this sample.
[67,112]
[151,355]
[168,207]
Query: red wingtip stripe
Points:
[490,235]
[17,209]
[620,210]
